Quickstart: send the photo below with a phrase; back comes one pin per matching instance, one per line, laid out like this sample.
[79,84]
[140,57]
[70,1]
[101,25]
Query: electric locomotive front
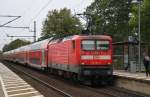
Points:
[96,58]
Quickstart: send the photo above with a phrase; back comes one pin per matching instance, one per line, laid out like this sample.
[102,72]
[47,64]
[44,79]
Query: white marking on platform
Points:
[17,87]
[23,93]
[38,96]
[16,79]
[12,79]
[20,90]
[17,84]
[12,83]
[4,90]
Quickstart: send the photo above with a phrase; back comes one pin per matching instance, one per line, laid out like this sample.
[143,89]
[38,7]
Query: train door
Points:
[43,57]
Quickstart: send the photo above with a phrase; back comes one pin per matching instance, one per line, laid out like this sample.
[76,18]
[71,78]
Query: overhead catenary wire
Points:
[15,27]
[40,10]
[22,18]
[17,17]
[27,10]
[8,16]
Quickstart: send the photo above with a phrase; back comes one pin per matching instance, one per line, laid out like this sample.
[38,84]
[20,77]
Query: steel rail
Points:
[44,83]
[102,92]
[127,92]
[106,92]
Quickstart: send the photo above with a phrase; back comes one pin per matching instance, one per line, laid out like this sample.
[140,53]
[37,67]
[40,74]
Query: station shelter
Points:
[126,56]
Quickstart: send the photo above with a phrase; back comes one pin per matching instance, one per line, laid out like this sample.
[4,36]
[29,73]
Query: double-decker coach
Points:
[37,54]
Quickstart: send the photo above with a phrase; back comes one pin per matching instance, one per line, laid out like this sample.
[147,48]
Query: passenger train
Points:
[80,57]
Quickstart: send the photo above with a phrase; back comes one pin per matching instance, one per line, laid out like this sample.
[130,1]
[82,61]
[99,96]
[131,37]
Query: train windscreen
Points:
[88,45]
[102,45]
[95,44]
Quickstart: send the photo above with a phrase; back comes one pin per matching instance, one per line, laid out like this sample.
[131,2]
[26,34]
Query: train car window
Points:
[102,45]
[88,45]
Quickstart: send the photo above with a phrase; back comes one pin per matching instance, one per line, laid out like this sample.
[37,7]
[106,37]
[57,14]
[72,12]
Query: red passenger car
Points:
[37,54]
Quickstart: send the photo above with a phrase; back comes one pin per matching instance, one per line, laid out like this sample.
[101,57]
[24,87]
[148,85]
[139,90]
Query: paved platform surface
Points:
[1,91]
[11,85]
[137,82]
[137,75]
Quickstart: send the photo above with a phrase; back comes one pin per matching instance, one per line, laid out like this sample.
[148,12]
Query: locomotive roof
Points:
[91,37]
[80,37]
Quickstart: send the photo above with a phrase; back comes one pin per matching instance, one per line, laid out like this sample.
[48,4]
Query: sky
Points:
[30,11]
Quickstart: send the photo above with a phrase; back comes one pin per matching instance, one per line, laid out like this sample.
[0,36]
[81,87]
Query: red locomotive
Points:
[82,57]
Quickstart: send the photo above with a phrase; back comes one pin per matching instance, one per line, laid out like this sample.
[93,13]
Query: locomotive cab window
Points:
[88,45]
[95,45]
[102,45]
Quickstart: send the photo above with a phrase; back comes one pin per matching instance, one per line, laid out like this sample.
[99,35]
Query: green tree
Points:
[110,17]
[60,23]
[15,44]
[145,20]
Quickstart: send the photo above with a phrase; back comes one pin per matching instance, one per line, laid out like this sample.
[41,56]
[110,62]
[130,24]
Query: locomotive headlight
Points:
[109,63]
[82,63]
[109,72]
[86,72]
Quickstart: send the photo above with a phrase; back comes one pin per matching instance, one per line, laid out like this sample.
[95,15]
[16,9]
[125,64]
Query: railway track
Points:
[64,94]
[120,90]
[102,91]
[115,92]
[77,90]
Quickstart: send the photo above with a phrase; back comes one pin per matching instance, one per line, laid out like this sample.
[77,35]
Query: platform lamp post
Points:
[139,33]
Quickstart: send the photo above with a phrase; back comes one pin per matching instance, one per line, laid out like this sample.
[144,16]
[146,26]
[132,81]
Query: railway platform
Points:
[11,85]
[137,82]
[137,75]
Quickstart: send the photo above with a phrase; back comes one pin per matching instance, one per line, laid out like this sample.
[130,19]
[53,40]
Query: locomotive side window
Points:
[88,45]
[73,44]
[102,45]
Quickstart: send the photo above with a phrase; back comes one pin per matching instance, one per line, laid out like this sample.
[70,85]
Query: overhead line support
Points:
[10,21]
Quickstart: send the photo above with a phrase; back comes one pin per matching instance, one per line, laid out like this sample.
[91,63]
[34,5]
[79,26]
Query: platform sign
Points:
[126,57]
